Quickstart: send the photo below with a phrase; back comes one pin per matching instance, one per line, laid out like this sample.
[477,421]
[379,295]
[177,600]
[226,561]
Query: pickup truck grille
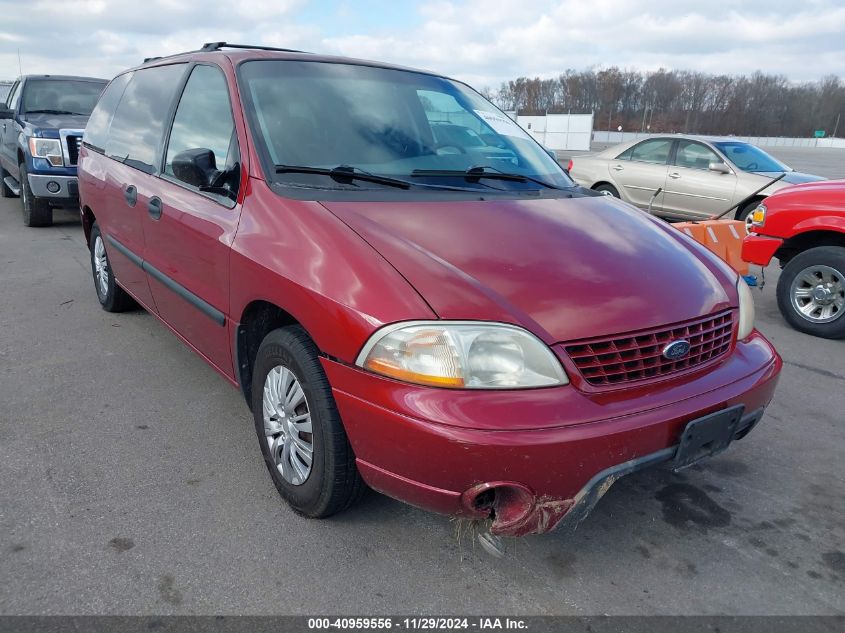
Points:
[74,142]
[639,355]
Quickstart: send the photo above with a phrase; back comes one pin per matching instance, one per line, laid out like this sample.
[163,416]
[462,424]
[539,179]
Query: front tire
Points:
[299,428]
[112,297]
[811,292]
[36,212]
[608,190]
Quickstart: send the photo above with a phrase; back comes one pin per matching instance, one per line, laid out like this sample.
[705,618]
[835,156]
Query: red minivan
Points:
[446,318]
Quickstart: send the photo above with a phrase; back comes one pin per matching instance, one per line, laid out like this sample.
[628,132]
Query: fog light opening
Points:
[53,187]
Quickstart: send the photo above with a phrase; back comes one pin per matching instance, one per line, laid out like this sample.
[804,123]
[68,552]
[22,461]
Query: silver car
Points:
[699,176]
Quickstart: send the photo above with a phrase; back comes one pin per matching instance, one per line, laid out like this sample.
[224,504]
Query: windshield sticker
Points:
[501,124]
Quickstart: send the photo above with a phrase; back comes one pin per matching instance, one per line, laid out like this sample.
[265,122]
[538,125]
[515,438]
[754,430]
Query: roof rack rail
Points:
[150,59]
[209,47]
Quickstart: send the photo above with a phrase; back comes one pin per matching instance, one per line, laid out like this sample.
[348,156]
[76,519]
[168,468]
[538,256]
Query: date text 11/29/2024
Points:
[417,624]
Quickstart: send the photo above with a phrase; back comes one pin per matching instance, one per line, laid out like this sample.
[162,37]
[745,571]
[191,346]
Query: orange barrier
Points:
[722,237]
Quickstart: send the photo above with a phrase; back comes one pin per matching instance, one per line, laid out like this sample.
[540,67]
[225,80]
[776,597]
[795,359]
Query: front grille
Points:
[73,145]
[639,356]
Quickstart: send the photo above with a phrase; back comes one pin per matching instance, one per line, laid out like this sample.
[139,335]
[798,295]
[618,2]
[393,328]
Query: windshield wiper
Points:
[481,171]
[52,112]
[343,173]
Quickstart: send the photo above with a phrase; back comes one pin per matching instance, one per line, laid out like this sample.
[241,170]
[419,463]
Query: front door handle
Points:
[674,174]
[131,195]
[154,207]
[618,168]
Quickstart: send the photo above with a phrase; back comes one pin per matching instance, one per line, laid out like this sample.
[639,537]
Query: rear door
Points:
[134,144]
[189,237]
[693,190]
[641,170]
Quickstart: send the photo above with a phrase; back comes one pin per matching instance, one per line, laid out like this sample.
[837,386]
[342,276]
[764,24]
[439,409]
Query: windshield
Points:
[750,157]
[61,96]
[426,129]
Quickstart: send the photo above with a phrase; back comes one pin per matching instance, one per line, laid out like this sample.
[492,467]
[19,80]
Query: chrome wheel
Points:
[818,294]
[101,267]
[287,425]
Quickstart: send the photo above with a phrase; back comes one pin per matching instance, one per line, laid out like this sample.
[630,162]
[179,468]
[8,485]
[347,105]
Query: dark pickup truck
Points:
[41,126]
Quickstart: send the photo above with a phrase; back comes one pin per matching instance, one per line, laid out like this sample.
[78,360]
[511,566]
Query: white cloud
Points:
[480,41]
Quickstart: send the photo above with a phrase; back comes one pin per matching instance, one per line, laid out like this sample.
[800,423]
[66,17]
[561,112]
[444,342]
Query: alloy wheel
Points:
[818,294]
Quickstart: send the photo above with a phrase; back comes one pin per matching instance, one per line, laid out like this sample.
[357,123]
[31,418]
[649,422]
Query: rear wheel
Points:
[811,292]
[36,212]
[112,297]
[299,429]
[608,190]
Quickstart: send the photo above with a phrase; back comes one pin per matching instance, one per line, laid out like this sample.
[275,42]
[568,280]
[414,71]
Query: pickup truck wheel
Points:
[811,292]
[608,190]
[299,428]
[112,297]
[36,212]
[5,192]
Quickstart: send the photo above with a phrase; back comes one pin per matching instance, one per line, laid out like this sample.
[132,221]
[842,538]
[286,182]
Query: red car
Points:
[804,227]
[457,325]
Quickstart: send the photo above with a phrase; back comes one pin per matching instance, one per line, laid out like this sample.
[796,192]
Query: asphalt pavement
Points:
[131,483]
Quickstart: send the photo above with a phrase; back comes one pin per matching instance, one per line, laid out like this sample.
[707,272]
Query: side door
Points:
[134,144]
[189,236]
[9,130]
[693,190]
[641,170]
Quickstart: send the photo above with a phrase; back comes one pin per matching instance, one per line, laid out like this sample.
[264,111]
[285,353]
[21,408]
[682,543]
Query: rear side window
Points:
[204,121]
[653,151]
[14,96]
[97,129]
[137,129]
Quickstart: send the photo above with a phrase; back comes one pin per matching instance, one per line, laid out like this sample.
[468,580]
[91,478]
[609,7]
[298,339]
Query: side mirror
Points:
[721,168]
[5,113]
[196,167]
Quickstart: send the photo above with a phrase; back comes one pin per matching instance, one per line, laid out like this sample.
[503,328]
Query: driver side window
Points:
[694,155]
[204,121]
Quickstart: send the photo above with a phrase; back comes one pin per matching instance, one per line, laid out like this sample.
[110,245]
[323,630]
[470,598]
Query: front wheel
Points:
[811,292]
[608,190]
[36,212]
[299,428]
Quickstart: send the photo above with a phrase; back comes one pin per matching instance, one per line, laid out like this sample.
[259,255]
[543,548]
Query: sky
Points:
[482,42]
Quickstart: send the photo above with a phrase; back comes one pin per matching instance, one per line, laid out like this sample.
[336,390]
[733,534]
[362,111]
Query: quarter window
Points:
[97,130]
[136,132]
[695,155]
[14,96]
[204,121]
[652,151]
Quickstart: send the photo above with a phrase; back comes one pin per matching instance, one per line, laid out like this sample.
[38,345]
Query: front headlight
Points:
[49,148]
[746,309]
[462,355]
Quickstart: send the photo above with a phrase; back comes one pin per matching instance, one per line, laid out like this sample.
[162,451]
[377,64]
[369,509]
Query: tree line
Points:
[683,101]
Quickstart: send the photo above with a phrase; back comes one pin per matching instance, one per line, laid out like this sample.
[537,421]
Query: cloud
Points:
[480,41]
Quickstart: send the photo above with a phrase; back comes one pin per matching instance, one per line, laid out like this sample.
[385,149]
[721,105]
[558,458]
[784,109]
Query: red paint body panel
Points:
[564,268]
[421,445]
[817,207]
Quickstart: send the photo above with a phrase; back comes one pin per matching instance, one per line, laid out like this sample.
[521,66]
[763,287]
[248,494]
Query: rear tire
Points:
[112,297]
[609,189]
[811,292]
[314,471]
[36,212]
[5,192]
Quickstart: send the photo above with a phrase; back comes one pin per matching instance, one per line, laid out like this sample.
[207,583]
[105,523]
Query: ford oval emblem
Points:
[676,350]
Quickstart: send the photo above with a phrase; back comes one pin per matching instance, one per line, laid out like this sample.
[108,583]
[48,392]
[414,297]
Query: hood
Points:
[565,269]
[791,177]
[56,121]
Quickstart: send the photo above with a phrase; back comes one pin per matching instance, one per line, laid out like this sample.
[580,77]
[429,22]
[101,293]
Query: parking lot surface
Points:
[132,484]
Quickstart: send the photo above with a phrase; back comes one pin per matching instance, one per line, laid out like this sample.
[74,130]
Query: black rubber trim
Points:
[589,495]
[200,304]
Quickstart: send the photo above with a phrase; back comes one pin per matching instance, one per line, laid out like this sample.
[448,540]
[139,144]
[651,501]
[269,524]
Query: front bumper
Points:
[550,451]
[68,186]
[759,249]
